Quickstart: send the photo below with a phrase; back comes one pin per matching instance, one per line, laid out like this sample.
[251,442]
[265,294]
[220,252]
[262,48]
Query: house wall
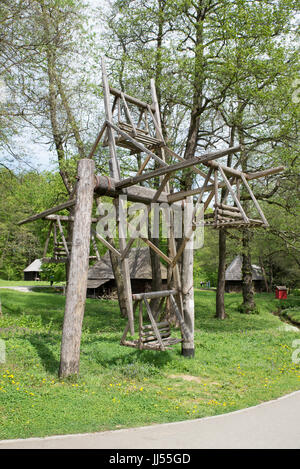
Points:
[235,286]
[30,276]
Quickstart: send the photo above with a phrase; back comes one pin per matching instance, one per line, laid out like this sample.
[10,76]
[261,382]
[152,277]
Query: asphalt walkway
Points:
[271,425]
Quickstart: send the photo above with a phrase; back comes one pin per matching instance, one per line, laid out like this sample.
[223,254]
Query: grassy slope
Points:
[239,362]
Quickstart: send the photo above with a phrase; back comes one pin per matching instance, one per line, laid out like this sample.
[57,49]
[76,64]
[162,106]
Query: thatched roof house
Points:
[101,278]
[33,271]
[233,276]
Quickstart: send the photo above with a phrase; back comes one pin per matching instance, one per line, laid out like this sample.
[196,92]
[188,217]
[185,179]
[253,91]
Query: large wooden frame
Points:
[142,135]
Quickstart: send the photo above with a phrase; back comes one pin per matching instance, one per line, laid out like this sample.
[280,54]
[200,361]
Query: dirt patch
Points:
[190,378]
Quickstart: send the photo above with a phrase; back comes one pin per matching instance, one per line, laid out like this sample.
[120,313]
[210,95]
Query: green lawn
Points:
[239,362]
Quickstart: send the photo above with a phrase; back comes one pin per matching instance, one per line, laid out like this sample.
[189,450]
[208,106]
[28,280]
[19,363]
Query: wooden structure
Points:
[136,126]
[101,279]
[233,277]
[33,271]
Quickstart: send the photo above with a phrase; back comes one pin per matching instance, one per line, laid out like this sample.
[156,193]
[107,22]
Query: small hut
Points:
[233,277]
[101,279]
[33,271]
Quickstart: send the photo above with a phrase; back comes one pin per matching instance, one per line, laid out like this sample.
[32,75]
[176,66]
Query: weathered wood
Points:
[107,244]
[153,294]
[94,147]
[180,158]
[161,324]
[255,201]
[49,211]
[237,202]
[127,112]
[107,186]
[47,240]
[78,271]
[154,326]
[111,141]
[227,207]
[264,173]
[130,99]
[140,146]
[176,167]
[228,213]
[187,346]
[185,332]
[157,250]
[62,236]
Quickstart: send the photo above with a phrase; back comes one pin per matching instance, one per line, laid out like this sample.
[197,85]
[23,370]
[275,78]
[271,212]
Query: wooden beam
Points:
[139,145]
[255,201]
[49,211]
[130,99]
[106,244]
[153,294]
[176,167]
[78,271]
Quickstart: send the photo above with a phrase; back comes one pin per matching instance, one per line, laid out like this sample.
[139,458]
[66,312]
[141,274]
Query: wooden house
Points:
[101,279]
[233,277]
[33,271]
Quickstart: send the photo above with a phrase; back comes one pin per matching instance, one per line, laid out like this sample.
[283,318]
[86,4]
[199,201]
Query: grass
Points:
[239,362]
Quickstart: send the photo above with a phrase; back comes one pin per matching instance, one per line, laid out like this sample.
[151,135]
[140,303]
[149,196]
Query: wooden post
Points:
[78,272]
[187,347]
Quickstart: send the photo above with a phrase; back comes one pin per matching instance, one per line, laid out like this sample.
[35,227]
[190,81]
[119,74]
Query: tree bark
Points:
[78,272]
[248,305]
[220,304]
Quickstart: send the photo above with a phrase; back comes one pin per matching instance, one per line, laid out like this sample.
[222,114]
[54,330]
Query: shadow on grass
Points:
[41,343]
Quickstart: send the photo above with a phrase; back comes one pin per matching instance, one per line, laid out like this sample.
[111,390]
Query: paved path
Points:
[275,424]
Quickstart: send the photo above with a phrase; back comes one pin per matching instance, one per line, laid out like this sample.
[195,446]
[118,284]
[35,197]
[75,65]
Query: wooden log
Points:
[185,332]
[176,167]
[157,250]
[227,207]
[228,213]
[78,271]
[161,324]
[237,202]
[264,173]
[107,244]
[111,141]
[155,329]
[130,99]
[153,294]
[140,146]
[108,186]
[128,113]
[49,211]
[94,147]
[187,346]
[180,158]
[255,201]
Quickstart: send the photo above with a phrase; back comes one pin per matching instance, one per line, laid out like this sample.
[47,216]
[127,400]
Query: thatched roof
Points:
[35,266]
[234,270]
[139,266]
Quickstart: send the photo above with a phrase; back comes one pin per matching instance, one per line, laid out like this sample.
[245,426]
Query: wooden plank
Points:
[237,202]
[153,294]
[180,158]
[49,211]
[47,240]
[155,329]
[128,113]
[182,325]
[255,201]
[107,244]
[175,167]
[63,236]
[157,250]
[94,147]
[140,146]
[130,99]
[111,140]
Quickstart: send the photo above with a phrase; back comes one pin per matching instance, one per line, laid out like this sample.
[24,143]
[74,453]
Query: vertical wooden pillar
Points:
[187,347]
[78,270]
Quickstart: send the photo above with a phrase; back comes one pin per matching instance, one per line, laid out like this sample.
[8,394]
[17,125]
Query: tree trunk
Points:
[220,304]
[248,305]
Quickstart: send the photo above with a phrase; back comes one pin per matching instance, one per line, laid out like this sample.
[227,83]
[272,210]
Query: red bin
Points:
[281,293]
